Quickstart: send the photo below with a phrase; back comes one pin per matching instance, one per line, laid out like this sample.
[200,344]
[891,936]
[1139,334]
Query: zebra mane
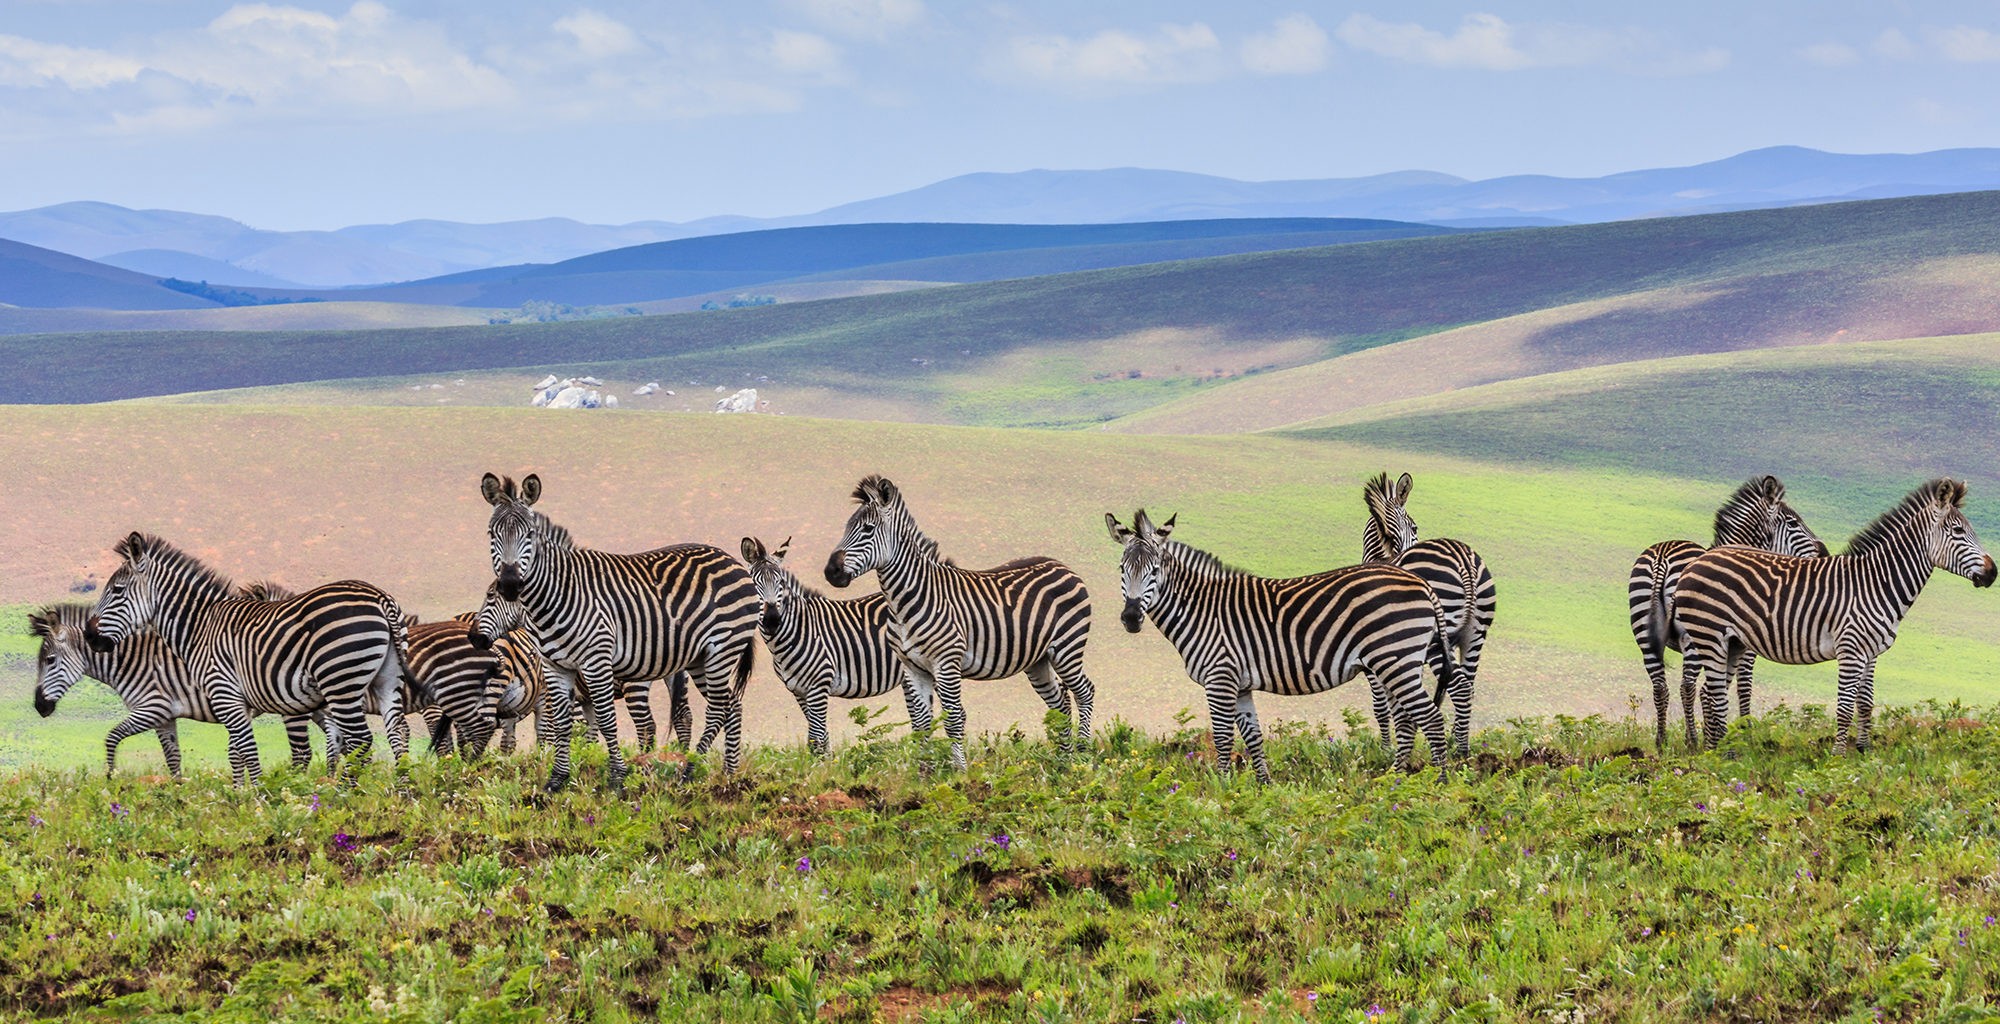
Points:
[147,545]
[1758,491]
[1376,490]
[265,590]
[41,621]
[550,530]
[1201,563]
[1873,536]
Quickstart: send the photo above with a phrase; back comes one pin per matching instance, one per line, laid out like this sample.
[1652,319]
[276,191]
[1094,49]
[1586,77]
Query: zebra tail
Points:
[399,634]
[743,671]
[1438,653]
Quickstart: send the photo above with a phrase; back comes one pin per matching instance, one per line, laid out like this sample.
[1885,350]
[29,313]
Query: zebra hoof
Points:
[687,772]
[556,783]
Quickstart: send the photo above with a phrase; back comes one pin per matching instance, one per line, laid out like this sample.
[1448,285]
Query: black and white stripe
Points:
[1239,633]
[822,647]
[326,647]
[1454,572]
[602,619]
[1757,516]
[1031,615]
[1736,601]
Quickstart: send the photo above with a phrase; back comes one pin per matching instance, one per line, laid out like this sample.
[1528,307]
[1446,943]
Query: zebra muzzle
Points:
[479,640]
[43,705]
[836,568]
[98,641]
[1985,577]
[1132,618]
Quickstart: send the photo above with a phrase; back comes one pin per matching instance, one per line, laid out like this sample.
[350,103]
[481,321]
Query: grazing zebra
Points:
[142,670]
[325,647]
[518,700]
[1755,516]
[1455,573]
[1030,615]
[602,619]
[1239,633]
[1736,601]
[822,647]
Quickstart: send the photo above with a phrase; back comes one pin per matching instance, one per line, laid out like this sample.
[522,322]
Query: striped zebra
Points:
[326,647]
[1737,601]
[1757,516]
[1239,633]
[602,619]
[1454,572]
[822,647]
[1030,615]
[142,670]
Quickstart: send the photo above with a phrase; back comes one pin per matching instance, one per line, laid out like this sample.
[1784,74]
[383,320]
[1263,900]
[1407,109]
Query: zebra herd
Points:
[561,623]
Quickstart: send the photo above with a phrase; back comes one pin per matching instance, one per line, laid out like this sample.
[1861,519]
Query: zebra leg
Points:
[1222,700]
[507,728]
[602,692]
[1042,677]
[918,693]
[1253,735]
[679,716]
[1748,663]
[142,720]
[170,745]
[234,715]
[300,742]
[1714,695]
[554,724]
[639,704]
[1690,684]
[1461,706]
[442,728]
[813,704]
[945,671]
[388,687]
[1864,708]
[1384,721]
[1084,693]
[1654,655]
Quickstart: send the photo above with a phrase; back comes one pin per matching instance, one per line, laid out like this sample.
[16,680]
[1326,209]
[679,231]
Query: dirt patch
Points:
[905,1003]
[1029,887]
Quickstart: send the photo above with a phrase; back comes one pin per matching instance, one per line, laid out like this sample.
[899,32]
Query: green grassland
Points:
[1562,874]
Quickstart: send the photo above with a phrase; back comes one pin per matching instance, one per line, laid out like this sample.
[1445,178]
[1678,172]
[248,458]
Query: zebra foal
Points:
[822,647]
[601,619]
[1734,602]
[1239,633]
[1453,571]
[1757,516]
[1030,615]
[329,646]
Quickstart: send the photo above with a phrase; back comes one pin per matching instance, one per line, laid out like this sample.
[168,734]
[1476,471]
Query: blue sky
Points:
[317,115]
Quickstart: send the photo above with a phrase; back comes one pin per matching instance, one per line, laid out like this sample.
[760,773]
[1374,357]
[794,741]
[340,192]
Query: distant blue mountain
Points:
[427,249]
[46,279]
[188,267]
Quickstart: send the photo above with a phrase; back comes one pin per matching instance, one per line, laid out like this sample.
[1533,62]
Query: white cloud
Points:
[1171,53]
[1966,44]
[1487,42]
[1295,45]
[25,62]
[1894,44]
[1830,55]
[802,53]
[862,19]
[1482,41]
[597,35]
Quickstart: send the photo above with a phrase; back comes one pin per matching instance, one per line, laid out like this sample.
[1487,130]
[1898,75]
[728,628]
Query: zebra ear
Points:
[491,488]
[888,491]
[531,489]
[1166,527]
[1119,534]
[132,548]
[41,623]
[1403,484]
[779,554]
[753,550]
[1951,493]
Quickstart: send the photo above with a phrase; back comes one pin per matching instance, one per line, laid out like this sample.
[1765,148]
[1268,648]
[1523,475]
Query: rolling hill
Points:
[35,277]
[1216,337]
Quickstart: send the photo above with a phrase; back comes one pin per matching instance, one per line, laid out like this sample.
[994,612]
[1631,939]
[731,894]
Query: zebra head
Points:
[130,596]
[1142,566]
[511,529]
[1757,516]
[497,616]
[1956,548]
[874,532]
[1389,531]
[64,657]
[777,588]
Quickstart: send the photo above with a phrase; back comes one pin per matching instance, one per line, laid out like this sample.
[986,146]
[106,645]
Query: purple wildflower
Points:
[189,916]
[343,843]
[805,865]
[1374,1010]
[118,810]
[1232,855]
[35,820]
[1002,840]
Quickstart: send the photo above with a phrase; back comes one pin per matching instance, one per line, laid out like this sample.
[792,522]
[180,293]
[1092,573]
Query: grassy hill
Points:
[36,277]
[1087,347]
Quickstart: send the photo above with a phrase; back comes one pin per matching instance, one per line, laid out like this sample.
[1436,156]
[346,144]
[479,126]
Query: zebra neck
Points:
[908,575]
[1903,562]
[545,588]
[186,591]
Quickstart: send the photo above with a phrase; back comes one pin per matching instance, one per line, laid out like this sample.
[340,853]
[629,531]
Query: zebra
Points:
[822,647]
[1030,615]
[1454,572]
[1239,633]
[324,647]
[142,670]
[298,738]
[1757,516]
[601,619]
[1737,601]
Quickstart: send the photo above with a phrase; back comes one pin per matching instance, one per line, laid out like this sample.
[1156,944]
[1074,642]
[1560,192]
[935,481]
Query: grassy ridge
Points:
[1328,296]
[1561,875]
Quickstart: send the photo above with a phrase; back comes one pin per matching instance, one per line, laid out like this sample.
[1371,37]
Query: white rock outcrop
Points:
[571,393]
[742,401]
[647,388]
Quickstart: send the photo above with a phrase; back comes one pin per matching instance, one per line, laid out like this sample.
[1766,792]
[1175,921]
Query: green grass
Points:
[1563,874]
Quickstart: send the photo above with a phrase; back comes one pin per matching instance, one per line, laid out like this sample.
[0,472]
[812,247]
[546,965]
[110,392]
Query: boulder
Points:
[571,397]
[546,381]
[646,389]
[742,401]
